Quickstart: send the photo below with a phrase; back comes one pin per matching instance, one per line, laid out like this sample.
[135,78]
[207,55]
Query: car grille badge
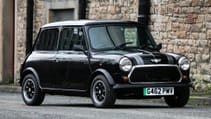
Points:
[155,60]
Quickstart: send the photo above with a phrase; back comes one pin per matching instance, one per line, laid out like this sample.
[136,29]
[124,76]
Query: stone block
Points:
[171,7]
[187,10]
[196,10]
[208,18]
[185,3]
[202,36]
[196,27]
[209,34]
[198,58]
[200,18]
[209,45]
[206,58]
[194,36]
[196,3]
[153,17]
[202,50]
[208,25]
[162,18]
[175,26]
[207,3]
[159,26]
[181,34]
[203,43]
[191,57]
[204,69]
[162,10]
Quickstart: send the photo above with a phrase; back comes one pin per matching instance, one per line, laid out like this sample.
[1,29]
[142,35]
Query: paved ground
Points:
[195,99]
[63,107]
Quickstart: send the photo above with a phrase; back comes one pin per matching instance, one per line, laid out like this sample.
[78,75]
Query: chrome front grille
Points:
[155,73]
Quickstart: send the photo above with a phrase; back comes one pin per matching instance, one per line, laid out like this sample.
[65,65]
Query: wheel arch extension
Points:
[29,70]
[105,73]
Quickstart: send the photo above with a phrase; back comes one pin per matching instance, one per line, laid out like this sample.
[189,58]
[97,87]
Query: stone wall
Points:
[39,17]
[20,30]
[184,26]
[20,35]
[112,9]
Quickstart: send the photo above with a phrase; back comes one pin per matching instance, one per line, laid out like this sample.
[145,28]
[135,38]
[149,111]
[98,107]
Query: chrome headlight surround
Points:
[184,63]
[125,64]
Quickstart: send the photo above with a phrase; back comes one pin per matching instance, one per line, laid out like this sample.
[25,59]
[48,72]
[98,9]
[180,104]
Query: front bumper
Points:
[134,86]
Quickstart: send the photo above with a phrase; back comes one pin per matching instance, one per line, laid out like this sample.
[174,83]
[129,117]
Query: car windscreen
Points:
[119,37]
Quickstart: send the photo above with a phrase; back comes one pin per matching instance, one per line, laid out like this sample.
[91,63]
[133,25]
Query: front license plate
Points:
[157,91]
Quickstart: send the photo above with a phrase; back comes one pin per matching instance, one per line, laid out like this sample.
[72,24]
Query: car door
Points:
[44,55]
[73,63]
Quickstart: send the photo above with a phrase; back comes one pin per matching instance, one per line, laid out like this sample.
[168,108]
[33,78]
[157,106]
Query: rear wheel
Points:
[180,98]
[102,94]
[31,93]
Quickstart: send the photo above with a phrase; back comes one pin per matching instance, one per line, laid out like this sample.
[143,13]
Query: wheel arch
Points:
[104,73]
[30,70]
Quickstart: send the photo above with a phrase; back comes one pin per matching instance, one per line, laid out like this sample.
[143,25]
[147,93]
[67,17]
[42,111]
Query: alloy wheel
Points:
[99,91]
[29,90]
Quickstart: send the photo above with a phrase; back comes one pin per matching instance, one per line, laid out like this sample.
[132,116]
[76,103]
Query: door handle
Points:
[56,60]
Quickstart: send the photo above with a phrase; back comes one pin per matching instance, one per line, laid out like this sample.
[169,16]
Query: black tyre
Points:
[180,98]
[31,93]
[101,93]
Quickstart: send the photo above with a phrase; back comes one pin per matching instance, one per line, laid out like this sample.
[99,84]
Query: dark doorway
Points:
[61,14]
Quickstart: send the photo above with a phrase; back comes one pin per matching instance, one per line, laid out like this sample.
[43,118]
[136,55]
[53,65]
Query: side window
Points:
[47,40]
[66,39]
[72,37]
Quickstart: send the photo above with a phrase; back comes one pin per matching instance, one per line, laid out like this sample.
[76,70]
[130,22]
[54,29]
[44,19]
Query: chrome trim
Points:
[60,89]
[156,60]
[157,65]
[180,61]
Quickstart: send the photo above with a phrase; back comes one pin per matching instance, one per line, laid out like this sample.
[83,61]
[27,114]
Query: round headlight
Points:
[184,63]
[125,64]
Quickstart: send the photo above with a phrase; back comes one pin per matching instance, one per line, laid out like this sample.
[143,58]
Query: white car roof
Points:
[82,22]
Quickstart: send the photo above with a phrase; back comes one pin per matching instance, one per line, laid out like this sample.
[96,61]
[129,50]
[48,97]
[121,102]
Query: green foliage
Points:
[202,86]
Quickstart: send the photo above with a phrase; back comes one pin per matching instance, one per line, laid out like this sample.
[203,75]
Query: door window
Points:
[47,40]
[72,37]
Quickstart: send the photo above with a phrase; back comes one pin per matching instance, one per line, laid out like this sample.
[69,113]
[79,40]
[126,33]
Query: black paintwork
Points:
[61,72]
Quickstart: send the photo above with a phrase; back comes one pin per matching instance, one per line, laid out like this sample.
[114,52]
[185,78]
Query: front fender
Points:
[106,74]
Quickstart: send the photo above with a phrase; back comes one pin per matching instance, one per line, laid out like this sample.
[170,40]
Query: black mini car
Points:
[105,60]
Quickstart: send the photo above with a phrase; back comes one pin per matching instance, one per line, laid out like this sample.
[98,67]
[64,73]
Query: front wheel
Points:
[31,93]
[102,94]
[180,98]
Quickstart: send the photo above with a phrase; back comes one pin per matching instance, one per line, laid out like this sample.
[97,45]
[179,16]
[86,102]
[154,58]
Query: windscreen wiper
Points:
[121,46]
